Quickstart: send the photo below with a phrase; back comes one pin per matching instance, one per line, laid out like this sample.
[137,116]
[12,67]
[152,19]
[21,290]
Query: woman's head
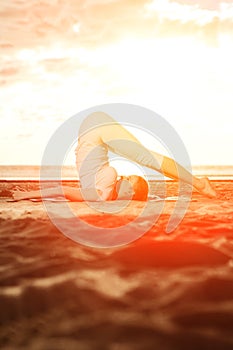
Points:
[133,186]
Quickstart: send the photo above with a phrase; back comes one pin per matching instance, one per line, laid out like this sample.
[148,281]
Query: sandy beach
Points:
[163,291]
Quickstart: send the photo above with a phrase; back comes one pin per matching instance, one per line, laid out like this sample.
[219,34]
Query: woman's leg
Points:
[121,141]
[53,192]
[71,193]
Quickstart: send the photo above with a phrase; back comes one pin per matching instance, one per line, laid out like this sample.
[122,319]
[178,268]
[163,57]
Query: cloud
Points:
[183,12]
[8,71]
[38,23]
[203,4]
[204,20]
[33,24]
[32,30]
[42,37]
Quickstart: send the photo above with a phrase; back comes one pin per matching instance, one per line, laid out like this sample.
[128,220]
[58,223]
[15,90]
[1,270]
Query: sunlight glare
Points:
[76,27]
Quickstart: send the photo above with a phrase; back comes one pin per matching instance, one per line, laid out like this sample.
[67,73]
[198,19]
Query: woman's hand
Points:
[19,194]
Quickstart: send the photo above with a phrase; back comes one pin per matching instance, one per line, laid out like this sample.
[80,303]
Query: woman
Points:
[98,134]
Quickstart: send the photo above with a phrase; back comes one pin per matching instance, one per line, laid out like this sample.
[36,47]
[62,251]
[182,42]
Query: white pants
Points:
[98,134]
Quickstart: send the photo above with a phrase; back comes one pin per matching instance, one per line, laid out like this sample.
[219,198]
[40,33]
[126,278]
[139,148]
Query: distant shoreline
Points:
[69,173]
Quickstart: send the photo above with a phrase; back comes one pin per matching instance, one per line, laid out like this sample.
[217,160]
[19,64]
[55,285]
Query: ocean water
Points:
[32,172]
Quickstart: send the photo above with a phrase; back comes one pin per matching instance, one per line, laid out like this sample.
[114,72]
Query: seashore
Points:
[165,291]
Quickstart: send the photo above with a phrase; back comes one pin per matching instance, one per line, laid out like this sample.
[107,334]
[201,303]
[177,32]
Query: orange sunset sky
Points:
[58,57]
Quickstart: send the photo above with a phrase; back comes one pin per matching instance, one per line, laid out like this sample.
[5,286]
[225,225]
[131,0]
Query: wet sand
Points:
[160,292]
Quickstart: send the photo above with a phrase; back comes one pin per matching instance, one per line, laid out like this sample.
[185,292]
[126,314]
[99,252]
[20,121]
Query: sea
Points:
[69,172]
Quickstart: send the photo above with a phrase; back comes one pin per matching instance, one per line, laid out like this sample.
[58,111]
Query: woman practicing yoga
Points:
[98,134]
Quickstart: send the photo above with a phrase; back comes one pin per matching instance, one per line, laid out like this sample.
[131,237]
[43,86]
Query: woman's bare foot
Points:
[204,187]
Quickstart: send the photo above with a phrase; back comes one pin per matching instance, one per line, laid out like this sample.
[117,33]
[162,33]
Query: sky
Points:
[59,57]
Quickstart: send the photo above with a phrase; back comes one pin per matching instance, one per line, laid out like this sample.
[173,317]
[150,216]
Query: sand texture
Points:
[163,291]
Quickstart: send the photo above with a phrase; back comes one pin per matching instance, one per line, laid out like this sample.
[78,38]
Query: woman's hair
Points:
[139,187]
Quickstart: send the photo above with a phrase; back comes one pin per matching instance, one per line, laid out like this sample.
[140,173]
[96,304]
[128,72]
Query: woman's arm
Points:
[71,193]
[20,195]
